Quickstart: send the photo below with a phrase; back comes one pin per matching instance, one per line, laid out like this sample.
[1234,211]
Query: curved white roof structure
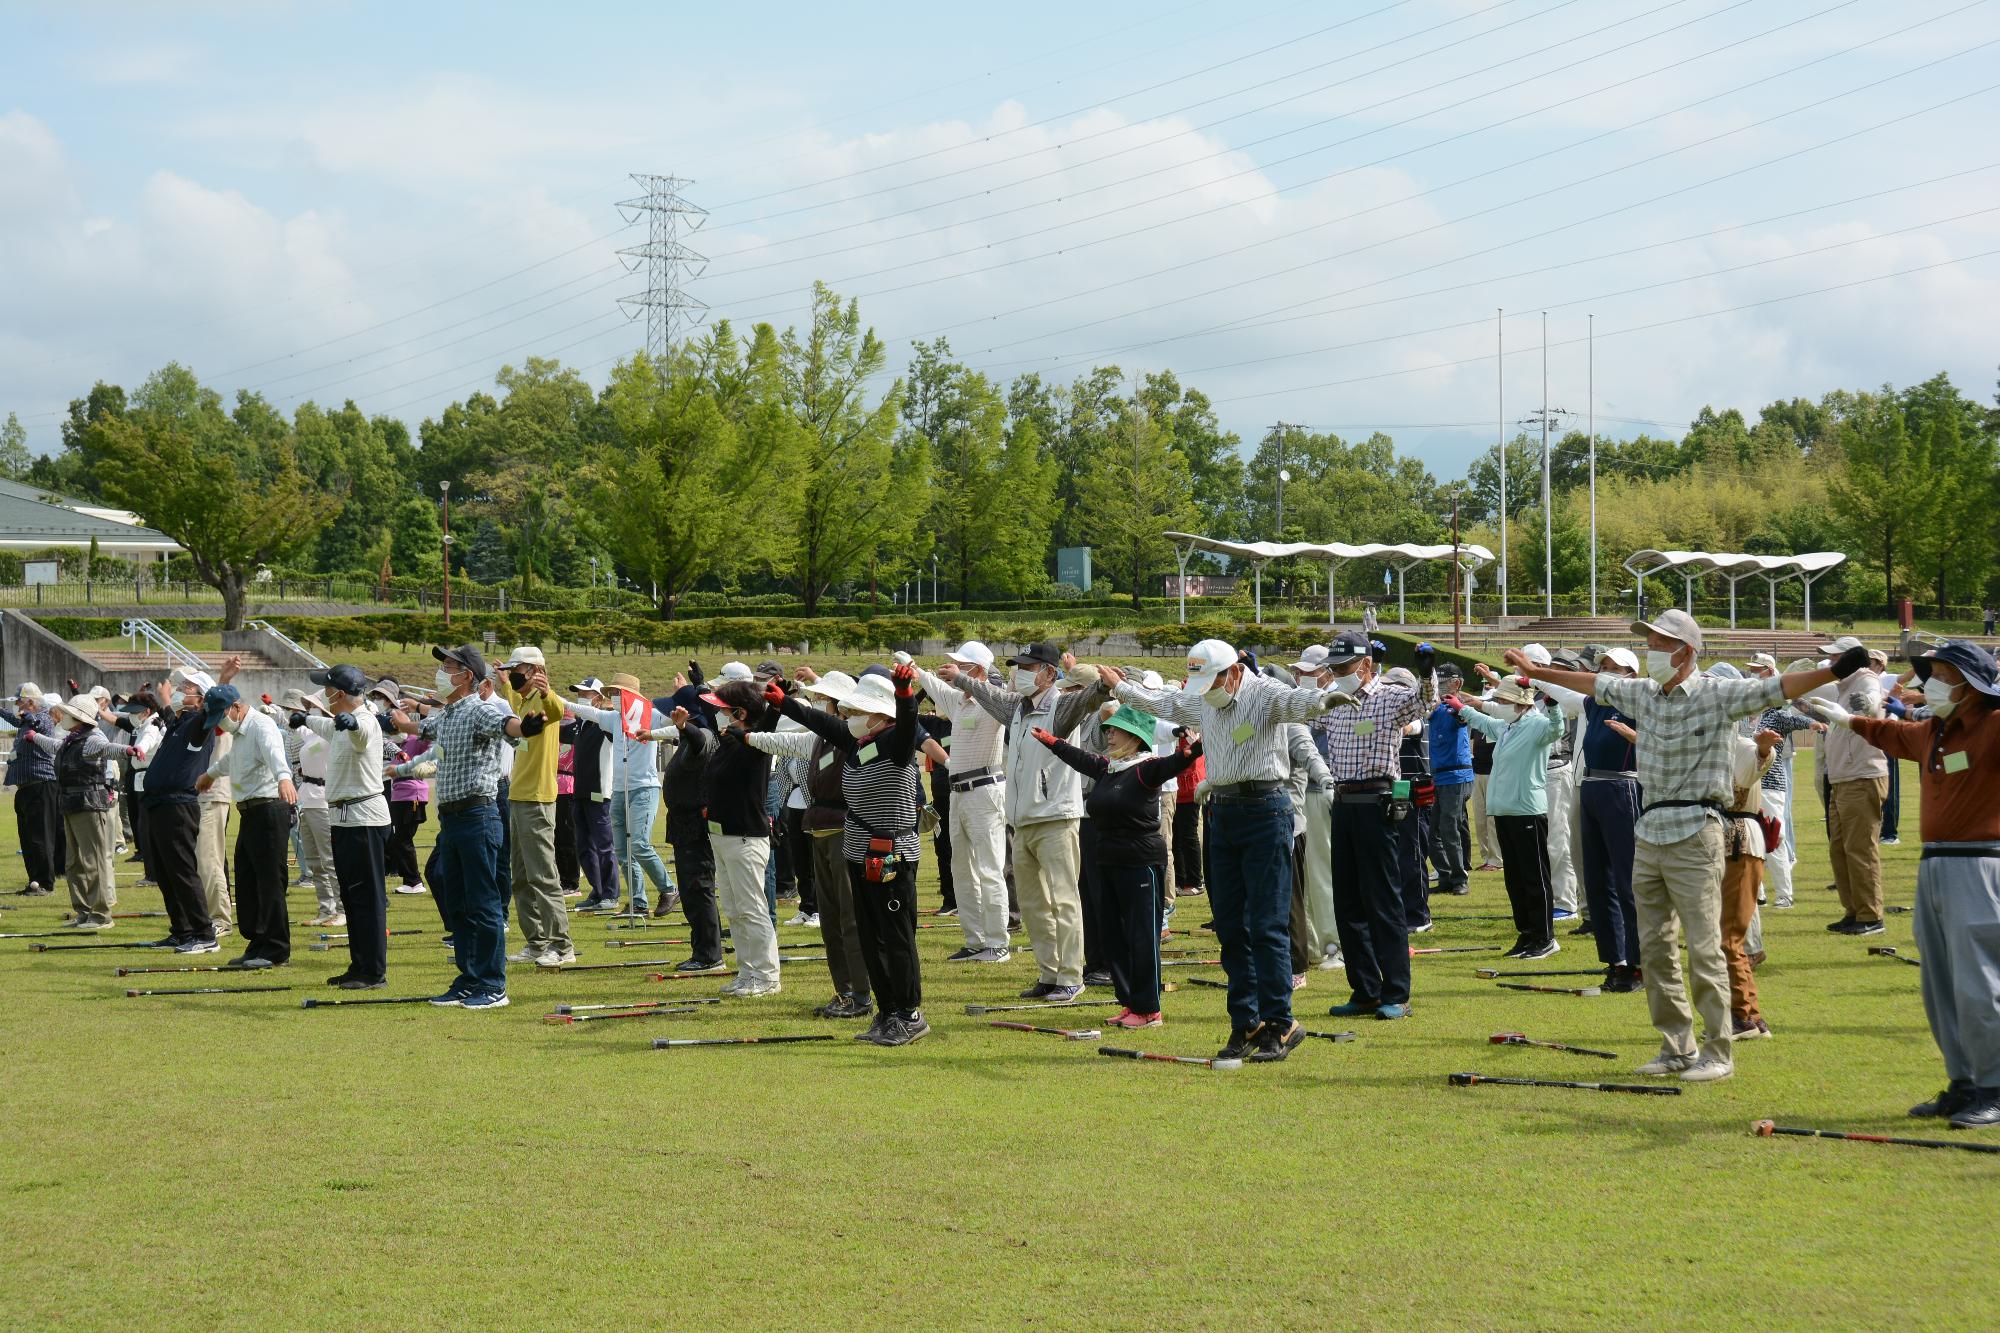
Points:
[1401,557]
[1773,569]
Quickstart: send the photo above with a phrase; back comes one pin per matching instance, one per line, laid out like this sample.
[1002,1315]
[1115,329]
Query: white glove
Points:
[1201,792]
[902,658]
[1827,711]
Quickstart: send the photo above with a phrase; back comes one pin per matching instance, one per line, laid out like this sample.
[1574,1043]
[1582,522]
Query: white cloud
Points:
[159,64]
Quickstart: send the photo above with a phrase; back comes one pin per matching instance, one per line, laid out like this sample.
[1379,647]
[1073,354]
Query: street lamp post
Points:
[444,491]
[593,579]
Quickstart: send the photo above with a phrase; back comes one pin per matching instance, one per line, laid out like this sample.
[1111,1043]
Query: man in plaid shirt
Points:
[1686,734]
[1363,747]
[466,734]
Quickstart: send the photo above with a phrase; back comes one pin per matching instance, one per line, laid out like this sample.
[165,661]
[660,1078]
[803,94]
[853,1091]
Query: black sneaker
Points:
[1520,947]
[1099,977]
[1584,927]
[1621,979]
[361,983]
[340,978]
[1541,949]
[852,1006]
[1041,990]
[1984,1113]
[1867,928]
[1275,1043]
[960,955]
[1957,1096]
[694,965]
[903,1029]
[1240,1044]
[1844,926]
[876,1030]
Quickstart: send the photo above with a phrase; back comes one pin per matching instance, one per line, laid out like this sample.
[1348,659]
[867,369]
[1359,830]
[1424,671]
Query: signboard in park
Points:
[1073,567]
[39,571]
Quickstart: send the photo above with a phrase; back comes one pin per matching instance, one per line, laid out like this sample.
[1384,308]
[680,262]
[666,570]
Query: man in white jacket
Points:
[978,820]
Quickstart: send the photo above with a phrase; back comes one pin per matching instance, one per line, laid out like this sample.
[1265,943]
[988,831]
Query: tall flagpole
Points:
[1548,524]
[1591,339]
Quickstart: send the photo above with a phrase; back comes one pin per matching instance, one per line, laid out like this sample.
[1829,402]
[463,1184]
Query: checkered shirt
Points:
[469,736]
[1686,736]
[1365,743]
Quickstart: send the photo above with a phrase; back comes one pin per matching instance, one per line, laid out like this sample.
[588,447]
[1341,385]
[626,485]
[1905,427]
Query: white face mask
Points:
[1660,666]
[860,725]
[230,724]
[443,678]
[1217,697]
[1349,683]
[1024,680]
[1937,694]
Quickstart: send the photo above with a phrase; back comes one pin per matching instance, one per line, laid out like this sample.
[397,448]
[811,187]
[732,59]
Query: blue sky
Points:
[1310,211]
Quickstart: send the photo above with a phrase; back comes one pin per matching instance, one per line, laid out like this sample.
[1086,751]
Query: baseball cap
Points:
[1206,660]
[1151,681]
[346,679]
[1312,659]
[526,655]
[1624,657]
[1537,654]
[733,671]
[1765,660]
[972,653]
[219,700]
[1675,624]
[1346,647]
[1039,655]
[1725,671]
[464,655]
[769,669]
[588,685]
[1840,645]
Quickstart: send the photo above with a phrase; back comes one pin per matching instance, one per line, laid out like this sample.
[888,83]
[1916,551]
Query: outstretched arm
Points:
[1083,761]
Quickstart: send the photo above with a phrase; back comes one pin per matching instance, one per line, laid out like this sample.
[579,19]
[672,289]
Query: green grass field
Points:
[181,1162]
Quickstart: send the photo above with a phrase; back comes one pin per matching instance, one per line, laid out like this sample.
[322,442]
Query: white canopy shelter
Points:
[1401,558]
[1773,569]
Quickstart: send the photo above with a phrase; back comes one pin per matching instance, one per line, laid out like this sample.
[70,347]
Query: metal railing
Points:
[155,637]
[284,638]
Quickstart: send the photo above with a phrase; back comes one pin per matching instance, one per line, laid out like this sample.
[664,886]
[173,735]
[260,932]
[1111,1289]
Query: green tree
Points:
[1883,488]
[234,496]
[1135,488]
[855,494]
[1954,541]
[1214,457]
[14,457]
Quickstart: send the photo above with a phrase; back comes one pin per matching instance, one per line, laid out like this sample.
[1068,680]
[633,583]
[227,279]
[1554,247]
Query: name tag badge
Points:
[1364,728]
[865,753]
[1957,761]
[1243,732]
[714,829]
[826,760]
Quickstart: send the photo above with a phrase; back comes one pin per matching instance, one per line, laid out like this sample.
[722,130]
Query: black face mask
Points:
[518,679]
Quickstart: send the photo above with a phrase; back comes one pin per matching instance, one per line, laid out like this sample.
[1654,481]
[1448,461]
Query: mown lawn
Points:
[186,1162]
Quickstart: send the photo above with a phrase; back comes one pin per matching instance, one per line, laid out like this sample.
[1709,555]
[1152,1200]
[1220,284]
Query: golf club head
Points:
[975,1010]
[1507,1038]
[562,1009]
[1225,1064]
[1459,1080]
[308,1004]
[1088,1034]
[1763,1128]
[1591,990]
[319,948]
[124,971]
[1486,973]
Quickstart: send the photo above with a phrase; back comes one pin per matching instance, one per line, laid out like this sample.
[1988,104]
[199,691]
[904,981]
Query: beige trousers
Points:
[1854,828]
[531,865]
[1489,838]
[89,863]
[1045,866]
[316,840]
[1678,887]
[739,891]
[211,854]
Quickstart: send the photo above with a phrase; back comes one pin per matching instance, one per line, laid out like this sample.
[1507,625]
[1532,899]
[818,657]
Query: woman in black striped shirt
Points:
[876,736]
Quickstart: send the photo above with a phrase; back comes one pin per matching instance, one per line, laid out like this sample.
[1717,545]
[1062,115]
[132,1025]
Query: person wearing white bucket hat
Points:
[977,824]
[88,819]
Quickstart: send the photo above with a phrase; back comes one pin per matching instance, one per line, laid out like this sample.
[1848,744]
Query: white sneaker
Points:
[566,956]
[796,919]
[411,888]
[1664,1064]
[733,986]
[751,990]
[527,955]
[990,956]
[1333,962]
[1707,1070]
[547,958]
[337,919]
[809,919]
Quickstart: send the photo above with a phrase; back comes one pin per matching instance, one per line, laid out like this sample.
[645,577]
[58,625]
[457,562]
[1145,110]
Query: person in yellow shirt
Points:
[531,815]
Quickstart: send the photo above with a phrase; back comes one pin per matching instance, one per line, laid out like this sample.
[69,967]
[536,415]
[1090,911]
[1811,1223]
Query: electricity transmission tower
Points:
[670,265]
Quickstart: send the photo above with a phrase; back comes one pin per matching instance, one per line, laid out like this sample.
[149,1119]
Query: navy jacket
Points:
[31,762]
[182,758]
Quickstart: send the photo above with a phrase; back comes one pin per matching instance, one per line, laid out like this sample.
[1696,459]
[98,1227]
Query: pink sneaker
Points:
[1128,1019]
[1119,1018]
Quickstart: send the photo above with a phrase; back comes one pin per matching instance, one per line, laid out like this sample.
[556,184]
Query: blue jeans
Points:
[632,814]
[1610,812]
[1250,889]
[470,897]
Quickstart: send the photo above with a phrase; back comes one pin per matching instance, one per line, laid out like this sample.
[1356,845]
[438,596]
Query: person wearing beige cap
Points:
[1857,776]
[88,820]
[531,814]
[1685,721]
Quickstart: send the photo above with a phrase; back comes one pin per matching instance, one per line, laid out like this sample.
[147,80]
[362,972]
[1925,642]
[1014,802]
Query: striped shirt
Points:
[878,778]
[1686,736]
[1783,721]
[469,734]
[1366,743]
[1245,740]
[978,741]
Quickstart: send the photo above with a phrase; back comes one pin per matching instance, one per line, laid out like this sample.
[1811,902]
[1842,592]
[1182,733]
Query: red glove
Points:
[1044,735]
[132,751]
[1454,703]
[774,693]
[265,697]
[1524,682]
[904,675]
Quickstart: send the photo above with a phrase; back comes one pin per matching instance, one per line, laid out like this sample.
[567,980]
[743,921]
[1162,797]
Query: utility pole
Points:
[1277,437]
[670,265]
[1500,430]
[1591,341]
[1456,571]
[1541,420]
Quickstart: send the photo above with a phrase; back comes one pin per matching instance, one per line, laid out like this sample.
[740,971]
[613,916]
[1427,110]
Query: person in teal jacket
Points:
[1521,732]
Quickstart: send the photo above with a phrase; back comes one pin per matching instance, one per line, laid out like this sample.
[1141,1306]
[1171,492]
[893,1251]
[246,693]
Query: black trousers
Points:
[797,843]
[941,844]
[173,831]
[1413,842]
[140,846]
[886,914]
[694,872]
[405,818]
[567,866]
[359,862]
[1097,927]
[38,821]
[1524,841]
[263,832]
[1187,846]
[1368,904]
[1132,909]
